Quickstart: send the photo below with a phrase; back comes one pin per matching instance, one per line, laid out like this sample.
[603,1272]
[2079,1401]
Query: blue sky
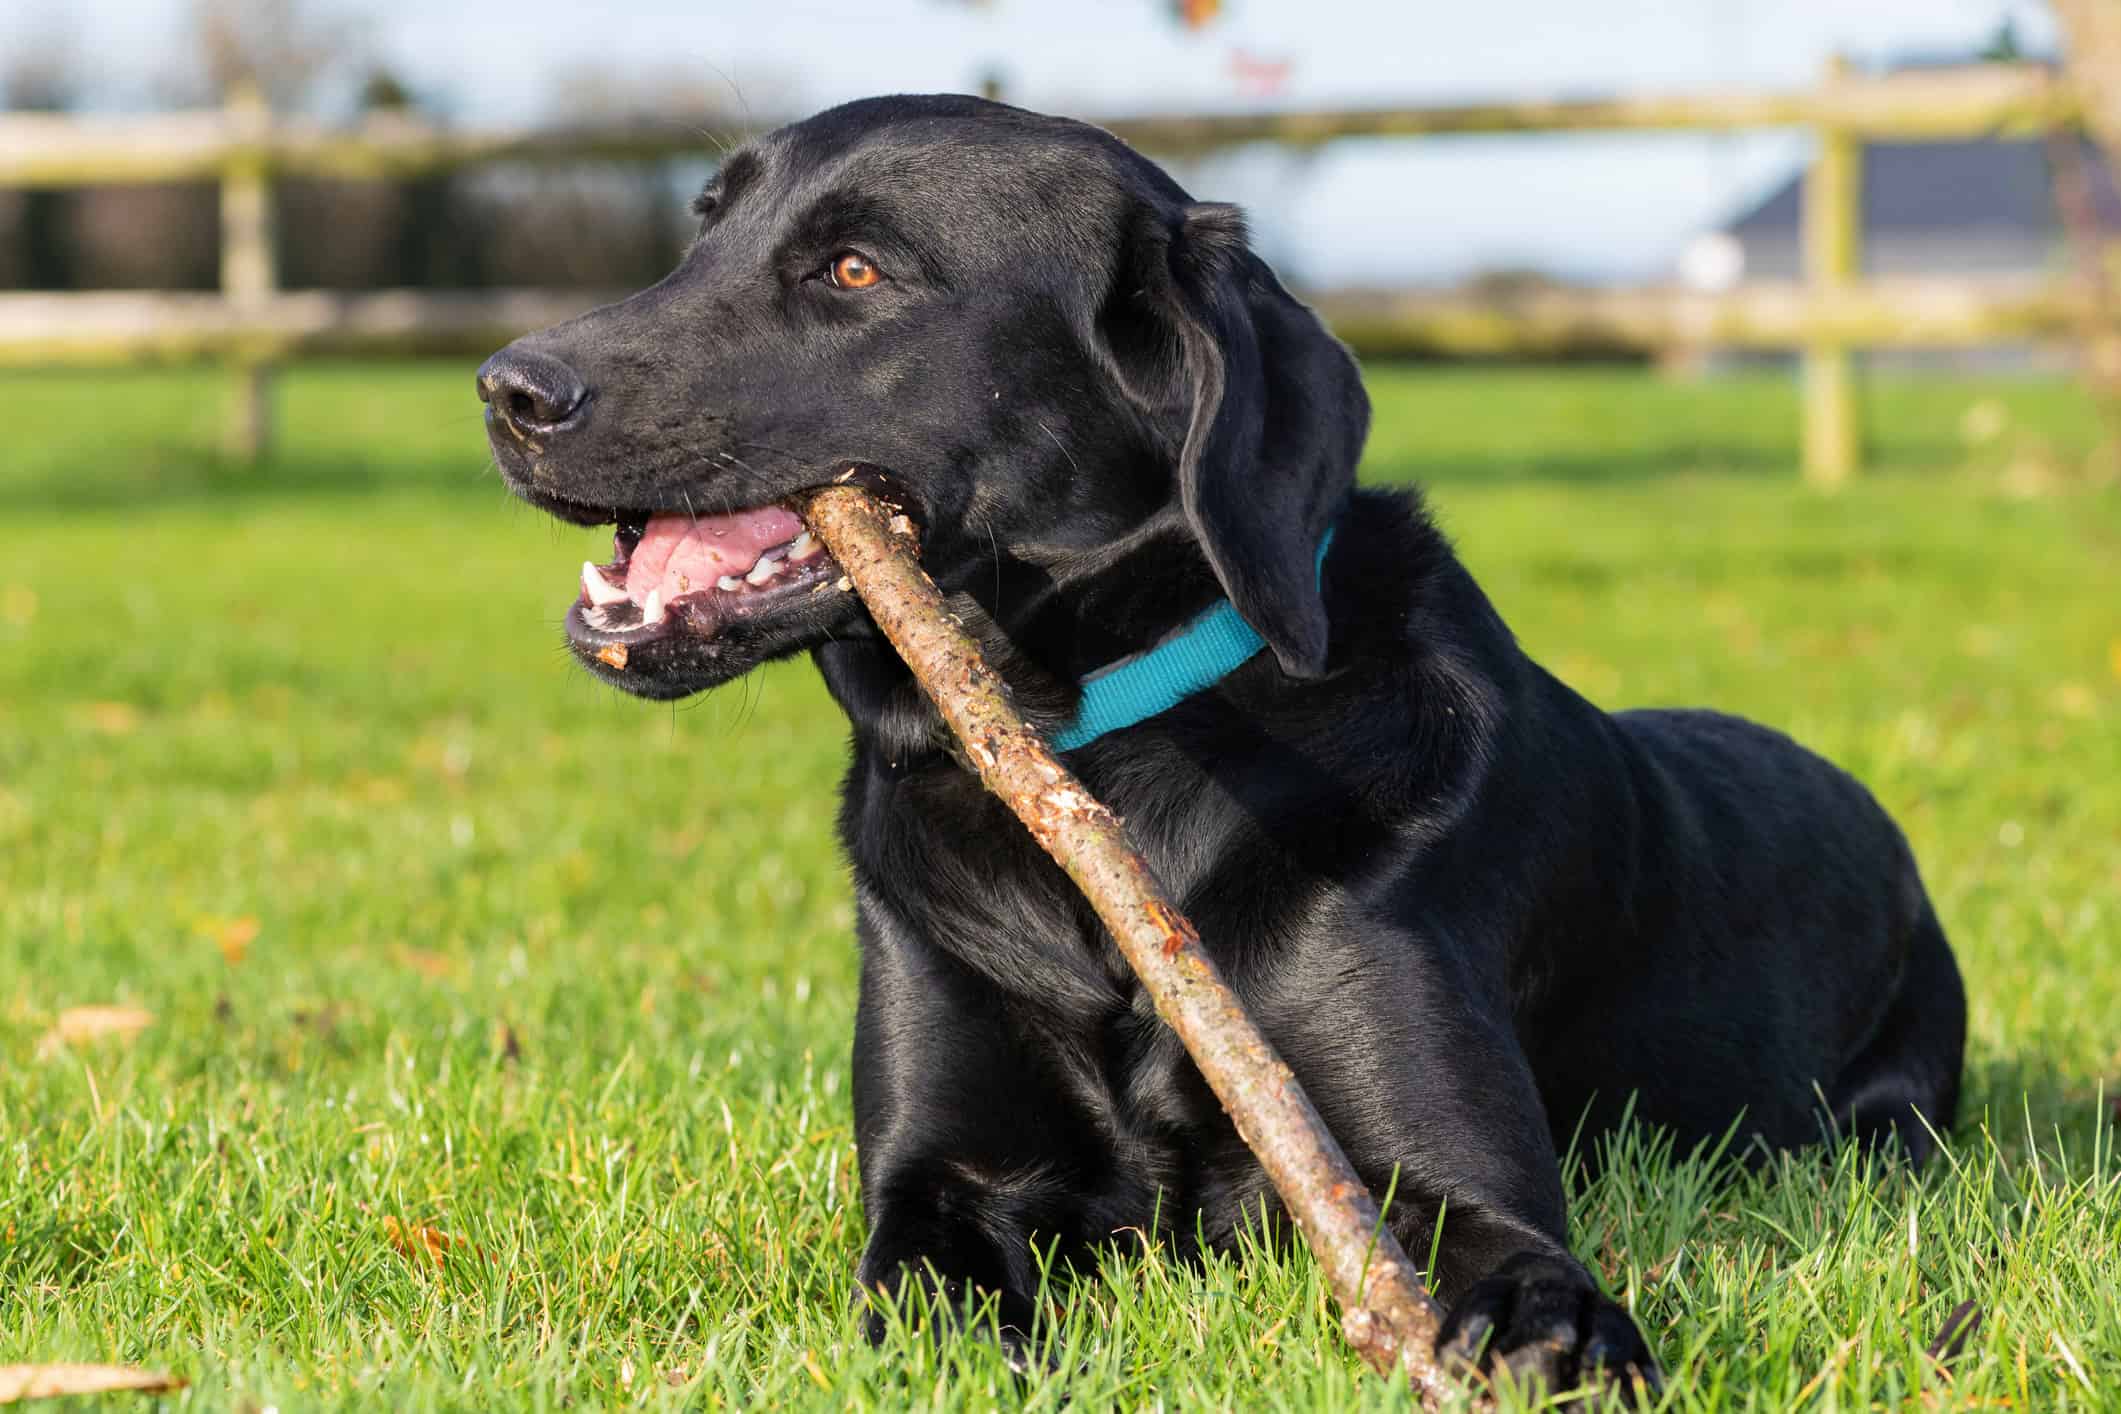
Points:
[1383,213]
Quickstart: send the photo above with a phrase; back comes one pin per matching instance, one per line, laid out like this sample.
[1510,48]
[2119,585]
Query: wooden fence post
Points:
[248,261]
[2091,35]
[1833,256]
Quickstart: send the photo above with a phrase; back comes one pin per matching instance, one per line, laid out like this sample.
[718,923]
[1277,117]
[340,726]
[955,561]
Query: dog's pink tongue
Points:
[682,554]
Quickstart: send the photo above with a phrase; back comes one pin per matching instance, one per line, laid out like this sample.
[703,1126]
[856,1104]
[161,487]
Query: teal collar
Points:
[1192,658]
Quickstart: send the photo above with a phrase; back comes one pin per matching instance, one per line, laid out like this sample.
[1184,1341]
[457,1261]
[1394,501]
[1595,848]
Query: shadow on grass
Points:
[2029,1102]
[2026,1104]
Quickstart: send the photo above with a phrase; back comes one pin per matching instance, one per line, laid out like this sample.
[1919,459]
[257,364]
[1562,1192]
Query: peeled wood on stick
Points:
[1385,1312]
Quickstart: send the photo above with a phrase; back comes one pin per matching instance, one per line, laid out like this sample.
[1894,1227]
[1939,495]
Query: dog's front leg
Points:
[975,1158]
[930,1257]
[1413,1065]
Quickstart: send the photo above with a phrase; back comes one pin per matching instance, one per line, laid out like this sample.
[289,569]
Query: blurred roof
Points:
[1930,188]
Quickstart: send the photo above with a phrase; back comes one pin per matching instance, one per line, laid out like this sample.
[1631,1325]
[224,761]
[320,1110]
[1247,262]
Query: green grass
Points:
[570,977]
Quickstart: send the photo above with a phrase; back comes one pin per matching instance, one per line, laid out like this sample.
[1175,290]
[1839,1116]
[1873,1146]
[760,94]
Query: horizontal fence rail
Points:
[108,327]
[1827,315]
[42,150]
[1932,104]
[1895,313]
[122,326]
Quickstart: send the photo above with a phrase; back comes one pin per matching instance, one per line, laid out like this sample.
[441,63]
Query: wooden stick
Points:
[1385,1313]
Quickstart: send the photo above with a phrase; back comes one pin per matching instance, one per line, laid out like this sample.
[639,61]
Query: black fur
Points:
[1472,910]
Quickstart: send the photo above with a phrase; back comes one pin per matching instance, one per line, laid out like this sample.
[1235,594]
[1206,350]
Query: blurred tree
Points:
[618,225]
[384,92]
[435,243]
[2003,46]
[285,47]
[94,237]
[42,75]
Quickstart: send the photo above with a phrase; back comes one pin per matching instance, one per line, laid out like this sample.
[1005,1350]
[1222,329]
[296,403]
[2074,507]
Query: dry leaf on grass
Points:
[18,605]
[420,1243]
[233,936]
[77,1025]
[20,1382]
[110,718]
[432,965]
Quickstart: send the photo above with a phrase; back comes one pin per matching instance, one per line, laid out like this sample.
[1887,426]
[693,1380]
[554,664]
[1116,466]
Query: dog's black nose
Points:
[534,393]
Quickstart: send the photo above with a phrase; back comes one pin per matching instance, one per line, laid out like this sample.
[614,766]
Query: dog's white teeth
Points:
[598,588]
[652,611]
[764,570]
[729,584]
[804,547]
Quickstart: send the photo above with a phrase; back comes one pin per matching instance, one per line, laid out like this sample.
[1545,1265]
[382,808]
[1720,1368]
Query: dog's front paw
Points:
[1540,1319]
[944,1310]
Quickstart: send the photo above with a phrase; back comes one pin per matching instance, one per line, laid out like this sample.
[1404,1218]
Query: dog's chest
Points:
[943,868]
[960,875]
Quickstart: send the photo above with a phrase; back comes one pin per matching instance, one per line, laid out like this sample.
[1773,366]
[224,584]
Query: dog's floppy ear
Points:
[1273,410]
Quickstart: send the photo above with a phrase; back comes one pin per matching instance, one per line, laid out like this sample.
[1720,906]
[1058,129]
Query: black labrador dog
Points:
[1476,914]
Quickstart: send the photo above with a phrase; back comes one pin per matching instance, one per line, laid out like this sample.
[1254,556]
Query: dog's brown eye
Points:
[852,270]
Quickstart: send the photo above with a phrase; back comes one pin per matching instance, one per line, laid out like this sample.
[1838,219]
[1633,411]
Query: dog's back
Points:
[1774,964]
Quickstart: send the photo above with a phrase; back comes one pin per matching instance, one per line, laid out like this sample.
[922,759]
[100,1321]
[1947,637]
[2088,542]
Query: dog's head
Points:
[1064,363]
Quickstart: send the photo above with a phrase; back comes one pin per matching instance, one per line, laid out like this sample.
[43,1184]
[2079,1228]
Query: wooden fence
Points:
[1827,315]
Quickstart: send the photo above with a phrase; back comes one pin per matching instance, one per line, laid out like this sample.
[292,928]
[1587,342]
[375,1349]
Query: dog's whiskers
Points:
[1073,464]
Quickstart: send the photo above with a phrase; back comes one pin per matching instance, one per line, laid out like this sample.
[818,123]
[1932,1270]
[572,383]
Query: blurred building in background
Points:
[1934,208]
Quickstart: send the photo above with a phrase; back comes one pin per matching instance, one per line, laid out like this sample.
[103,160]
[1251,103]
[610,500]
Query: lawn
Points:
[449,950]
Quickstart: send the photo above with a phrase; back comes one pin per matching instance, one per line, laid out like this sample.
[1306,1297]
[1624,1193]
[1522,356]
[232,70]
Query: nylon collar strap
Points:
[1192,658]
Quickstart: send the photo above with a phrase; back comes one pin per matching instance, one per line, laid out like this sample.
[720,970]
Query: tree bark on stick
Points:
[1385,1312]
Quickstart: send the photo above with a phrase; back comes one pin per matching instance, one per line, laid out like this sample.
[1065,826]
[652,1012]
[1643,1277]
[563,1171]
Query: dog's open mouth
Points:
[679,574]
